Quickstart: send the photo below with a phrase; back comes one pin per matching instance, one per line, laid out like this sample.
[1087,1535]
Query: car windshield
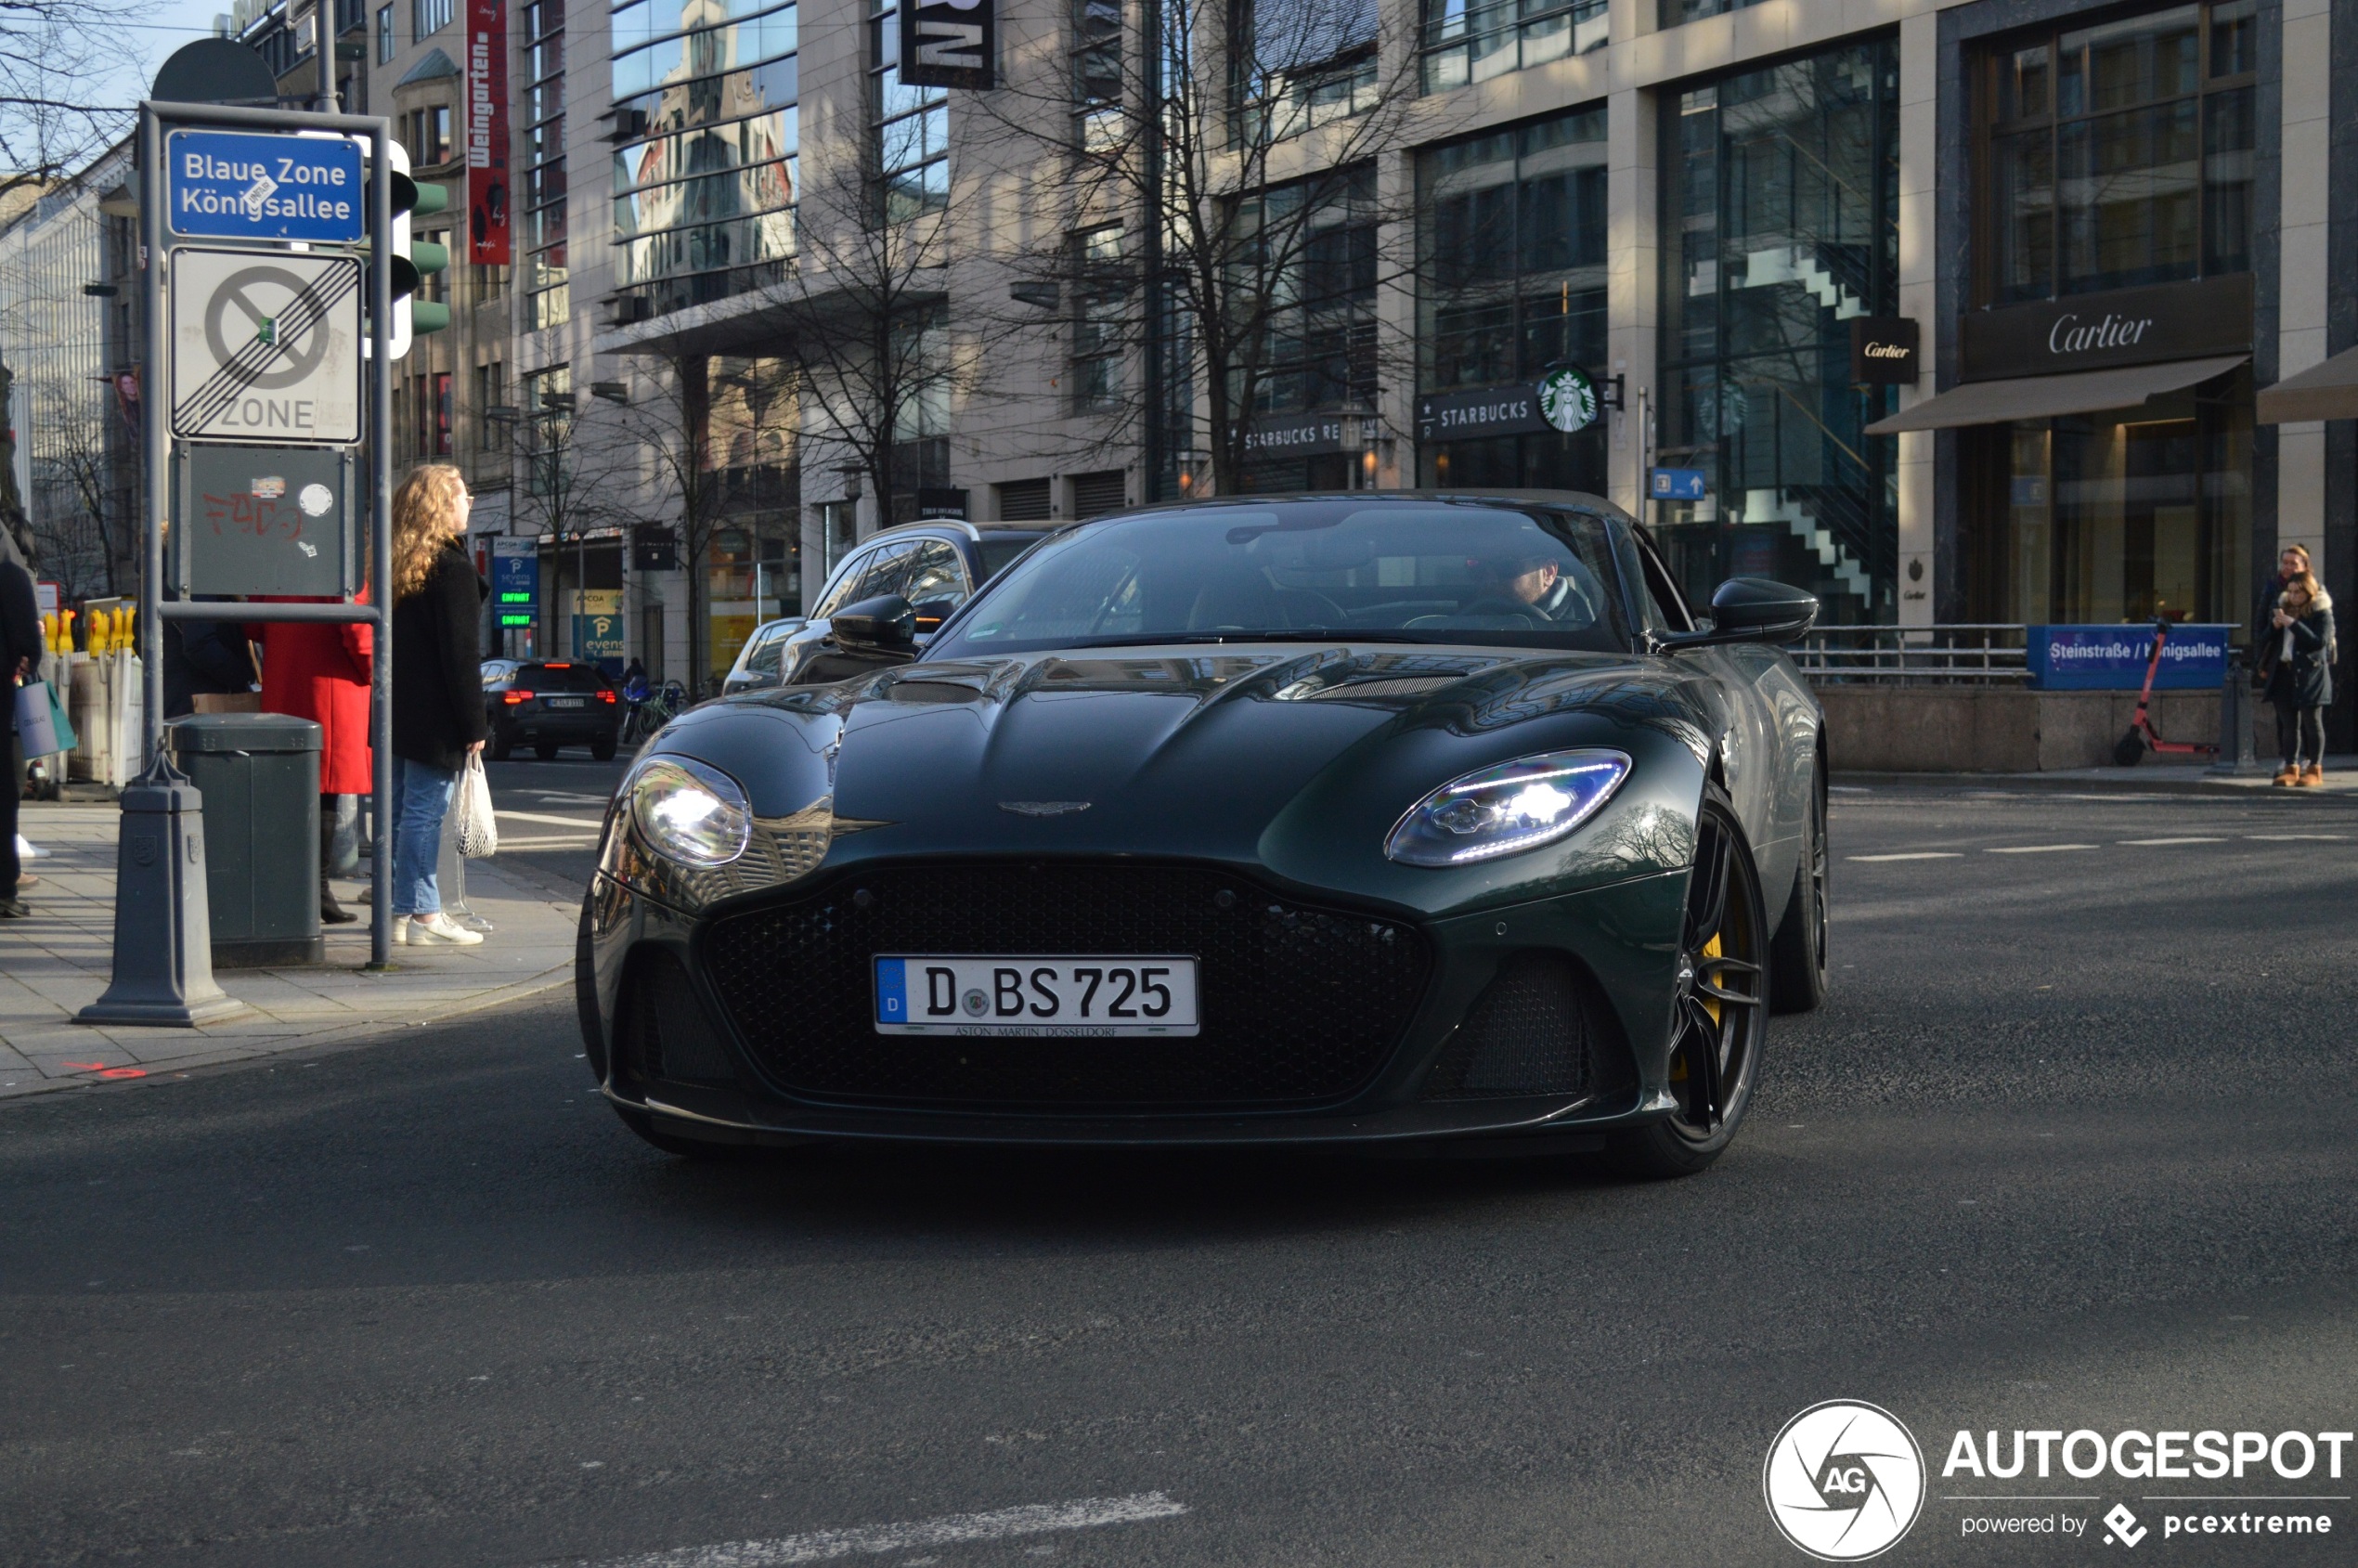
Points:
[1344,569]
[999,550]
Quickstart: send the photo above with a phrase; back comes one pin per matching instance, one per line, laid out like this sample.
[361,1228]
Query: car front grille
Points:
[1539,1027]
[1298,1002]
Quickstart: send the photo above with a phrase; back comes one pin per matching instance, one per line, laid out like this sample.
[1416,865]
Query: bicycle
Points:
[652,711]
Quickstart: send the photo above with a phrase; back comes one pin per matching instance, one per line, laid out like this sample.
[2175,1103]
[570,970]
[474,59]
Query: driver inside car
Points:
[1539,581]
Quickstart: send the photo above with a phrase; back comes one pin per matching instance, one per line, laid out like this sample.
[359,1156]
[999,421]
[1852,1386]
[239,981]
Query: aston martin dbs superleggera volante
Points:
[1424,819]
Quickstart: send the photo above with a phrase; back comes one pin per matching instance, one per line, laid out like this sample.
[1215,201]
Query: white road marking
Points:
[875,1540]
[560,841]
[2298,837]
[555,797]
[2035,848]
[1920,855]
[561,822]
[2161,841]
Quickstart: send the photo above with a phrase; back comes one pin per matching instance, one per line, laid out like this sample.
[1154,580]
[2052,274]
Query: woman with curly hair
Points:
[438,690]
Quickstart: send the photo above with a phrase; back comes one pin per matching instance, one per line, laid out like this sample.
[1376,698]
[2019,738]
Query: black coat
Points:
[19,622]
[208,656]
[2306,680]
[437,664]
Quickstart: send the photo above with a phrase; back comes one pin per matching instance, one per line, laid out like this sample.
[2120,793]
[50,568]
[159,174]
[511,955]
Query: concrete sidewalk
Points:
[57,961]
[2149,777]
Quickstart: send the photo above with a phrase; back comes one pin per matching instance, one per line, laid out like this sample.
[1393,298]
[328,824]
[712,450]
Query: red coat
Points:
[320,671]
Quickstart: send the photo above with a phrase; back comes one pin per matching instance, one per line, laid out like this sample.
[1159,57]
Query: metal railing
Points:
[1983,653]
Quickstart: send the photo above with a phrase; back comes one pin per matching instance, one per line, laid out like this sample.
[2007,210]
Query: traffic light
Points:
[413,259]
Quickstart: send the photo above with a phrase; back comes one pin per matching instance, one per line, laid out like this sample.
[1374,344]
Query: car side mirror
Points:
[887,624]
[1749,610]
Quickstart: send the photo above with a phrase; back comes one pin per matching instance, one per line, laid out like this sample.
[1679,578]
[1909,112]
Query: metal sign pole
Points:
[155,433]
[381,536]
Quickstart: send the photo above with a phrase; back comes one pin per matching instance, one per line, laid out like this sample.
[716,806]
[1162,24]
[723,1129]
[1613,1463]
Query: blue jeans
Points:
[420,796]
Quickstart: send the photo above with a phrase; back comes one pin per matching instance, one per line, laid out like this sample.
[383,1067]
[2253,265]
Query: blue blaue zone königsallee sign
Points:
[238,185]
[2113,658]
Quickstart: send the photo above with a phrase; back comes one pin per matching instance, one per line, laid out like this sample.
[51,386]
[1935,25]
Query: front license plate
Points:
[1062,996]
[568,702]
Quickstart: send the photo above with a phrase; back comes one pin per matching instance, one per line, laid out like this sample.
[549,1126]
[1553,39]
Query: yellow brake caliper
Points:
[1710,1004]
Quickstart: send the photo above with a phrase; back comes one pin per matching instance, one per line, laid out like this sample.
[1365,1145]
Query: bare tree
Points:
[862,331]
[717,432]
[81,546]
[1225,234]
[56,59]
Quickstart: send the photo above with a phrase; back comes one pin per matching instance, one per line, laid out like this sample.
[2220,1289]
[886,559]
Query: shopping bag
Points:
[36,732]
[472,826]
[67,738]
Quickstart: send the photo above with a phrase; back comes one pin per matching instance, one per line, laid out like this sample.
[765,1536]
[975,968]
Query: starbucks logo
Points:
[1568,399]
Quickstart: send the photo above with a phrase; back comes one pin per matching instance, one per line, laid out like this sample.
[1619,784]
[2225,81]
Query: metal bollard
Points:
[2236,753]
[162,935]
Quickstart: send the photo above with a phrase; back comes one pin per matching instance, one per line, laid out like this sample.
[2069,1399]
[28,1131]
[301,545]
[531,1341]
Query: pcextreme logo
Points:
[1844,1481]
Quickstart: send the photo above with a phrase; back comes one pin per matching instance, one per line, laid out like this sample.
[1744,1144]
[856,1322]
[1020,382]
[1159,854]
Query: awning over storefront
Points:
[2321,392]
[2039,397]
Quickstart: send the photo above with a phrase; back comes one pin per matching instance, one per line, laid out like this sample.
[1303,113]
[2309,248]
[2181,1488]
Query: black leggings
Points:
[2300,734]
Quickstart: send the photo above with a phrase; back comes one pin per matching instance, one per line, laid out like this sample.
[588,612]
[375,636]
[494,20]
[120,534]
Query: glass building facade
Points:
[2114,156]
[705,180]
[1513,263]
[548,289]
[1781,222]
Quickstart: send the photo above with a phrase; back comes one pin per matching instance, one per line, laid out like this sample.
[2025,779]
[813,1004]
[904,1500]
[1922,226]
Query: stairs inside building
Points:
[1800,518]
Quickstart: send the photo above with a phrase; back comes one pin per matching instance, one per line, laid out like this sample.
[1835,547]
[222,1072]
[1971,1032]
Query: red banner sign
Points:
[487,132]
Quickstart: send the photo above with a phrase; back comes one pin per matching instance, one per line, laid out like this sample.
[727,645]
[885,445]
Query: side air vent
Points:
[665,1034]
[1539,1028]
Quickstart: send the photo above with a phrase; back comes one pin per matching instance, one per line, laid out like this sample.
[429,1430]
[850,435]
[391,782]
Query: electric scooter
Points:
[2141,738]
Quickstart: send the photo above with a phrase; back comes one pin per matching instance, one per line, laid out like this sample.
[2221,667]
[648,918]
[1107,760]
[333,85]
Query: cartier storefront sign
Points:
[1883,351]
[2099,331]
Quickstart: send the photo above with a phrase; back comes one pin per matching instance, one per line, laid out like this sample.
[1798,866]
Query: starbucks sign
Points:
[1568,399]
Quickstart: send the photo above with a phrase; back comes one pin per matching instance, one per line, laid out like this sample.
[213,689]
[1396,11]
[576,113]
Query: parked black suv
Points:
[548,705]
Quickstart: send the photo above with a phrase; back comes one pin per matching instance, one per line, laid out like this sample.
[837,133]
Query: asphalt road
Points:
[2069,1149]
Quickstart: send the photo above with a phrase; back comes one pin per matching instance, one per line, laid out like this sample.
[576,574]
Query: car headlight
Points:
[690,813]
[1508,808]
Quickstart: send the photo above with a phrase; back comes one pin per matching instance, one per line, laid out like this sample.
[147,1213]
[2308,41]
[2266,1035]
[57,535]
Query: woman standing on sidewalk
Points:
[2301,682]
[320,671]
[438,690]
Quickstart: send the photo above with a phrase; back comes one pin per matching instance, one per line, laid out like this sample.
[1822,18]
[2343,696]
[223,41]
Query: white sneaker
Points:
[400,930]
[427,929]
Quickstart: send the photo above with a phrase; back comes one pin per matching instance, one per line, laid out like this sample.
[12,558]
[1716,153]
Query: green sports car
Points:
[1410,818]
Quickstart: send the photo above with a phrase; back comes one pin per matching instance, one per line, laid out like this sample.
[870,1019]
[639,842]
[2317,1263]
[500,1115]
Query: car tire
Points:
[1714,1053]
[602,748]
[545,753]
[1797,957]
[503,745]
[673,1144]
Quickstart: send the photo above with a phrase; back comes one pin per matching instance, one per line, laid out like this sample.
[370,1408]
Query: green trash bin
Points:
[259,775]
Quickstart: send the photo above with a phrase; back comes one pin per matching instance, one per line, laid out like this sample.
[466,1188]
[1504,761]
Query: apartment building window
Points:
[1302,63]
[433,414]
[2120,154]
[912,127]
[548,300]
[1513,244]
[385,45]
[1096,74]
[491,386]
[706,174]
[545,426]
[428,16]
[489,280]
[425,136]
[1311,245]
[1100,319]
[1475,40]
[1780,217]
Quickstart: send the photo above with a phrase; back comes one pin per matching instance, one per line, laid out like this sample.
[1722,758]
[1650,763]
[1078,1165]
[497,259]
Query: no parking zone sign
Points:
[266,346]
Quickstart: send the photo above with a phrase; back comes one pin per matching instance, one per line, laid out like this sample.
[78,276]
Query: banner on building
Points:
[948,44]
[488,133]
